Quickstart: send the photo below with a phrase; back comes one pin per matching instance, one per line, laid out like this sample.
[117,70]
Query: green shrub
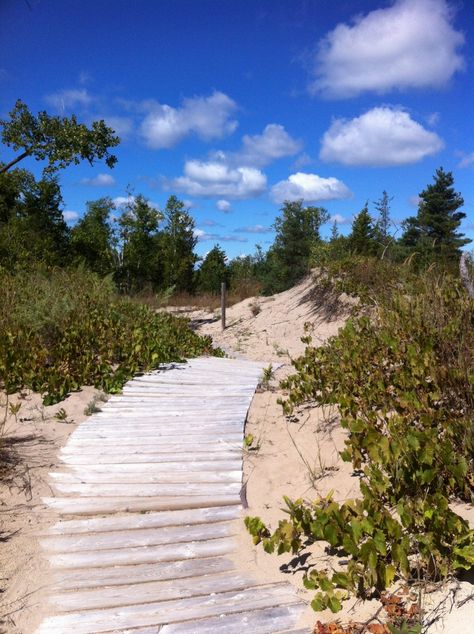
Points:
[66,328]
[402,376]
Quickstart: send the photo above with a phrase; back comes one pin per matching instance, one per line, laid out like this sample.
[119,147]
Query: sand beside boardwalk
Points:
[38,437]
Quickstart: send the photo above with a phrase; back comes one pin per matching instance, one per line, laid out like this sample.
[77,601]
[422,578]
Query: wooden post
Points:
[223,303]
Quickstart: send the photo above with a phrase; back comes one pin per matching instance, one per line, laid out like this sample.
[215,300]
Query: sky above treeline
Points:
[236,106]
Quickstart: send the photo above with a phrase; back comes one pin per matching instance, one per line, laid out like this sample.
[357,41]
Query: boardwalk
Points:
[148,501]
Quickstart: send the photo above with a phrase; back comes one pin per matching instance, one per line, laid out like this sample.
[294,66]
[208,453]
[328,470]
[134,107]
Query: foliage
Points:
[139,240]
[434,232]
[362,239]
[61,141]
[93,239]
[178,244]
[402,376]
[297,231]
[63,329]
[382,205]
[213,271]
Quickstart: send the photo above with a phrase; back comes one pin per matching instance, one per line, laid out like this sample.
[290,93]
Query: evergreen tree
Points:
[213,271]
[178,242]
[382,205]
[297,232]
[334,232]
[93,240]
[434,231]
[361,240]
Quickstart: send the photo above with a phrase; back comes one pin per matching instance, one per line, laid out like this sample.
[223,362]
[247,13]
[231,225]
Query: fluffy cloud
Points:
[207,117]
[71,98]
[122,201]
[340,220]
[261,149]
[310,188]
[70,216]
[123,126]
[203,236]
[380,137]
[212,178]
[411,44]
[101,180]
[224,206]
[466,160]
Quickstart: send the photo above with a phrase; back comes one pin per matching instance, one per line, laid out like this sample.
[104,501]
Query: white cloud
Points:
[411,44]
[70,216]
[253,229]
[380,137]
[101,180]
[340,220]
[123,126]
[207,117]
[122,201]
[467,160]
[262,149]
[203,236]
[224,206]
[212,178]
[69,98]
[310,188]
[414,201]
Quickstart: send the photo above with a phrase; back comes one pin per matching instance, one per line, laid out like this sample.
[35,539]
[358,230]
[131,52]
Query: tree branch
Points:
[5,168]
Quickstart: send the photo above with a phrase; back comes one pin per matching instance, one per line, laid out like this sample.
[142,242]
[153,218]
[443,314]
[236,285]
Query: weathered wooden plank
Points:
[265,621]
[143,555]
[154,440]
[153,591]
[220,468]
[147,490]
[136,458]
[89,506]
[138,537]
[166,612]
[216,449]
[146,520]
[140,573]
[145,476]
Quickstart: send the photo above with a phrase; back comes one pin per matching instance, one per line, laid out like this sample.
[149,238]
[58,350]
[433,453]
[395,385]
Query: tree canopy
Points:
[61,141]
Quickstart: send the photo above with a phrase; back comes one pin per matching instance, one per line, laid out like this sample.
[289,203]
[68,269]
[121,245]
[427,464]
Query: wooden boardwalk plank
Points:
[153,484]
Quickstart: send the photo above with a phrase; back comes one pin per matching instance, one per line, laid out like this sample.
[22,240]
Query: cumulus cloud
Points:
[261,149]
[207,117]
[253,229]
[411,44]
[340,220]
[101,180]
[70,216]
[380,137]
[122,201]
[69,98]
[211,178]
[123,126]
[310,188]
[224,206]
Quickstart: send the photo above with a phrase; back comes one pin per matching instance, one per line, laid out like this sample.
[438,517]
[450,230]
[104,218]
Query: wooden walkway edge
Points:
[148,503]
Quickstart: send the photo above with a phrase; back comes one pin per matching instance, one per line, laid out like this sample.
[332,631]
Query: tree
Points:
[297,232]
[34,229]
[361,240]
[178,242]
[213,271]
[382,205]
[434,231]
[58,140]
[140,253]
[93,239]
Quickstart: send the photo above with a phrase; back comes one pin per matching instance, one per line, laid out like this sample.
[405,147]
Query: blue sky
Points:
[235,106]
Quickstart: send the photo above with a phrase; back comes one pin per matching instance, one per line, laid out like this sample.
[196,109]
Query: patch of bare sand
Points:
[300,458]
[31,440]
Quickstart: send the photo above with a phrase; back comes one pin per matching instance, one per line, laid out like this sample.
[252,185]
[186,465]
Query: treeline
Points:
[149,250]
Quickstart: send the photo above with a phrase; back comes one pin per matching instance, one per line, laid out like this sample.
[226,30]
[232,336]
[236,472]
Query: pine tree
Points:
[92,239]
[361,240]
[382,205]
[438,219]
[213,271]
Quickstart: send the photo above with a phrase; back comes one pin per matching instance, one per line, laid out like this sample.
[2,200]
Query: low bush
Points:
[65,328]
[402,376]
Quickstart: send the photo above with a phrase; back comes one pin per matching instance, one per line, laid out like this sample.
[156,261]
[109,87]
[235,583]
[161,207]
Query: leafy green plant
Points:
[402,377]
[61,415]
[267,376]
